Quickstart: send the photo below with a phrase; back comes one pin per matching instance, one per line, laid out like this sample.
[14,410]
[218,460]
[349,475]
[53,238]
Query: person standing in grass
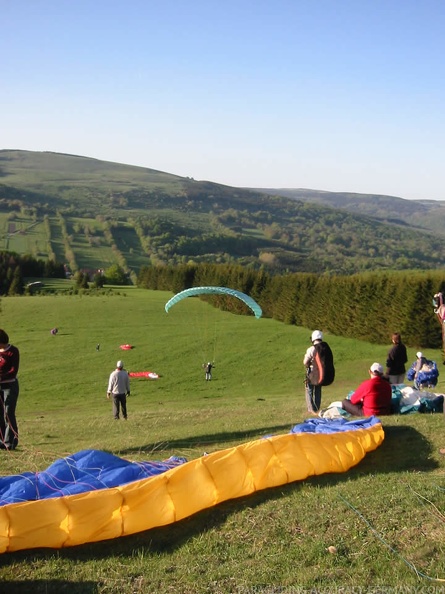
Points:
[320,370]
[9,392]
[208,369]
[119,389]
[395,363]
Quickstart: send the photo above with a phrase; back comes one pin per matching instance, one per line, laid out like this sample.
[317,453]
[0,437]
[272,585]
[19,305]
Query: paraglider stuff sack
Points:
[322,372]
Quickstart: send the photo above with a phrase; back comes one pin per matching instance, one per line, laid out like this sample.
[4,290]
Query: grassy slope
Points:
[424,214]
[277,538]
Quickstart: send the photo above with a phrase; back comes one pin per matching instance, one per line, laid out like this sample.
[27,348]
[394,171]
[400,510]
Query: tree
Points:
[16,286]
[115,275]
[98,280]
[81,280]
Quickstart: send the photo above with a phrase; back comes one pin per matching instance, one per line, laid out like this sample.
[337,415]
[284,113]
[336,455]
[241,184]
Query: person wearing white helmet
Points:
[208,370]
[119,389]
[320,371]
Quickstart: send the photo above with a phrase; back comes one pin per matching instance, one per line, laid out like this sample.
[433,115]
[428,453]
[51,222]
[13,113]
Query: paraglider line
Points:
[387,545]
[437,513]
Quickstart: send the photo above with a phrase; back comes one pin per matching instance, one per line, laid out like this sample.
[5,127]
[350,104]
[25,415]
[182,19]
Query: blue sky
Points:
[339,95]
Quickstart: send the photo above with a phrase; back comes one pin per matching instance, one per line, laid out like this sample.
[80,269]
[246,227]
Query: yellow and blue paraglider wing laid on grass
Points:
[93,496]
[251,303]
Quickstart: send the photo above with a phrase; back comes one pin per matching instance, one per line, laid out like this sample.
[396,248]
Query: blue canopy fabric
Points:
[87,497]
[317,425]
[90,470]
[87,470]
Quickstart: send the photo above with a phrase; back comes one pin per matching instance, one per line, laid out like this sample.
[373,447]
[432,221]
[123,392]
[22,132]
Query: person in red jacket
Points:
[9,392]
[372,397]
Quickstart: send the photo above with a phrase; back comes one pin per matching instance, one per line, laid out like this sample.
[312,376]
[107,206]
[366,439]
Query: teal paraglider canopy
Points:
[251,303]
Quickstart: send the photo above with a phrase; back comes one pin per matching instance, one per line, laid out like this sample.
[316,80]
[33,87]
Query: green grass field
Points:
[385,517]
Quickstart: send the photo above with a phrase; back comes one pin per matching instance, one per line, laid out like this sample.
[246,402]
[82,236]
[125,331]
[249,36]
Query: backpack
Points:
[322,372]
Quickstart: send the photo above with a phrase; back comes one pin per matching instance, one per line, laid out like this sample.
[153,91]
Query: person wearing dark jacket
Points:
[9,392]
[395,363]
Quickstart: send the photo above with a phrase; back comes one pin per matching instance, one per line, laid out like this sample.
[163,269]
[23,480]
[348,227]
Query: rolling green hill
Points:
[91,214]
[421,214]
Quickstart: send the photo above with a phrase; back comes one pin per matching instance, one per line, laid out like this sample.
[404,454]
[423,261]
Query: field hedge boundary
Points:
[368,306]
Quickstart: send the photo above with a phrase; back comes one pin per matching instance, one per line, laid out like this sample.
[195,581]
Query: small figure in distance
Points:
[9,392]
[97,347]
[208,370]
[372,397]
[119,389]
[395,363]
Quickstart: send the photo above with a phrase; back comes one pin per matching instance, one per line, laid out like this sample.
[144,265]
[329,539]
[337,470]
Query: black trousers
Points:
[9,434]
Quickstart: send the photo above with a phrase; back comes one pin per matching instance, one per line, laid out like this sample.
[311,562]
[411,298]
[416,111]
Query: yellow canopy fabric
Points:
[183,490]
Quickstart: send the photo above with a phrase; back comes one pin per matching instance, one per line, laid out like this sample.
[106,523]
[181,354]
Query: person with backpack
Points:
[320,370]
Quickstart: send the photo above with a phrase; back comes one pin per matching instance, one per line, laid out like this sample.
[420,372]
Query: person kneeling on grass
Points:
[372,397]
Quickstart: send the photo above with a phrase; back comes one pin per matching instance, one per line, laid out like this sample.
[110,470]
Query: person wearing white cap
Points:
[372,397]
[119,389]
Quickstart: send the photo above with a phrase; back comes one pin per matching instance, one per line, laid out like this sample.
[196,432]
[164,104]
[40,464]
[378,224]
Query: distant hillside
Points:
[92,214]
[423,214]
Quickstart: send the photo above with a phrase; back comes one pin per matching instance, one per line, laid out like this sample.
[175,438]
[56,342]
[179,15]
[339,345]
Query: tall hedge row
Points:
[369,306]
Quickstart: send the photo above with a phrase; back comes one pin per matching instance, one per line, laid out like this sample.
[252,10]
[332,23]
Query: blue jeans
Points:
[9,434]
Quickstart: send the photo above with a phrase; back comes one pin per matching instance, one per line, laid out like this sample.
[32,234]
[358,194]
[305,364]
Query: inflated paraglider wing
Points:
[251,303]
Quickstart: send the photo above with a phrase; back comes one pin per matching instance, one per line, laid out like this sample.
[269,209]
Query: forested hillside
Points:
[418,214]
[92,214]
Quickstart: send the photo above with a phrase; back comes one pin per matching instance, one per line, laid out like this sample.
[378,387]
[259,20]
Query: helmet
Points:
[316,335]
[120,364]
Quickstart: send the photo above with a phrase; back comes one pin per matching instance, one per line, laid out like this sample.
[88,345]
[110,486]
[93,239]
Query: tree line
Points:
[368,306]
[14,268]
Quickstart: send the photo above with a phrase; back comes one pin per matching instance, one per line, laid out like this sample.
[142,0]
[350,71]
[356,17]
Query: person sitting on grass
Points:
[423,372]
[372,397]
